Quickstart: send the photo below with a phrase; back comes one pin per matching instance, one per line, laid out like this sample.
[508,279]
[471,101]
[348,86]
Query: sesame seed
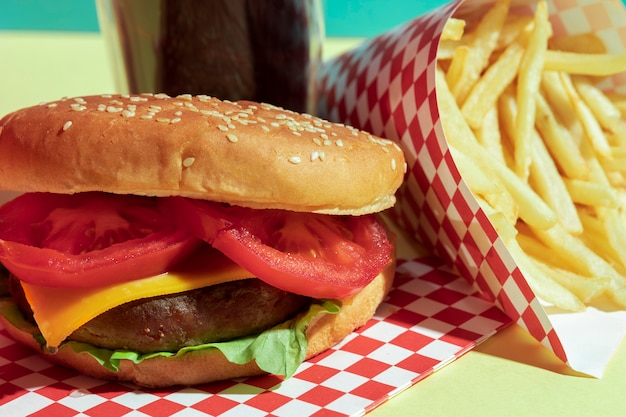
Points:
[163,119]
[232,138]
[128,113]
[112,109]
[78,107]
[265,128]
[324,136]
[67,125]
[222,128]
[314,155]
[51,105]
[185,97]
[231,126]
[322,155]
[147,116]
[297,133]
[178,113]
[317,141]
[295,159]
[175,120]
[187,162]
[280,117]
[339,143]
[393,164]
[327,142]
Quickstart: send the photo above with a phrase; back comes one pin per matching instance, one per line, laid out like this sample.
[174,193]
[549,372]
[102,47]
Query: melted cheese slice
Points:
[60,311]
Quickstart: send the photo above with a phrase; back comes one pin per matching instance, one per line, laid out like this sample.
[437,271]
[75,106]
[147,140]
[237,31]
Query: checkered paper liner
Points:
[387,86]
[430,317]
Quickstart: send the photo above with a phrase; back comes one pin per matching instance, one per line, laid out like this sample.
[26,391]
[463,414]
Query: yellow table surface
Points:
[508,375]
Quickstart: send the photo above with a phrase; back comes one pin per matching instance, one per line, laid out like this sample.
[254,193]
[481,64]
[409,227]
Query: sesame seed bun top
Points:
[243,153]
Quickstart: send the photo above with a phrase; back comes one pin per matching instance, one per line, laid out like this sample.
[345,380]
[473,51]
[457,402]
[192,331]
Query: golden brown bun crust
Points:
[243,153]
[207,366]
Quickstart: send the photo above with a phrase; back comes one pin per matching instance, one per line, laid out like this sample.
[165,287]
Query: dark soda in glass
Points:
[259,50]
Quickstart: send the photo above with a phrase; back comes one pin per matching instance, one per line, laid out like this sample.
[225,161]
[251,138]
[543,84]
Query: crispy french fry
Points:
[489,135]
[537,250]
[592,127]
[619,101]
[585,64]
[559,141]
[603,109]
[488,88]
[556,95]
[591,193]
[548,183]
[453,30]
[483,42]
[614,230]
[460,59]
[584,288]
[528,81]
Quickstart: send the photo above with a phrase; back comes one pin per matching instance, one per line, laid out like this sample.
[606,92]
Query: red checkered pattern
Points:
[387,86]
[431,317]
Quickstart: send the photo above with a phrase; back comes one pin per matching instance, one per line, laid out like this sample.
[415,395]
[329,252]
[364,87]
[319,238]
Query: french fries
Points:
[541,147]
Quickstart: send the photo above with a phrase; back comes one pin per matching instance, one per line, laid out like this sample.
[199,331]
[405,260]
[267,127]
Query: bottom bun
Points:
[199,367]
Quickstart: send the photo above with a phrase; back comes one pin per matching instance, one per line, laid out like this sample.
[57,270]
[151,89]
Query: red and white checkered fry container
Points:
[387,86]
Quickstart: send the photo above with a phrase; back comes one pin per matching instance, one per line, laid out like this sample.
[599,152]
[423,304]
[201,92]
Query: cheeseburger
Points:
[181,240]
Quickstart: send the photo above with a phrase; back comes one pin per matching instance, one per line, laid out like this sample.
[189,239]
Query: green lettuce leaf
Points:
[279,350]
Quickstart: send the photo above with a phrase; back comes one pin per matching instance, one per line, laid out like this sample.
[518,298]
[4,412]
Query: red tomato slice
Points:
[317,255]
[88,239]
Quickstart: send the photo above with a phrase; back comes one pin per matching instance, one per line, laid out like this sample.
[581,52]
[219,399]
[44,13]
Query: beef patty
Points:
[167,323]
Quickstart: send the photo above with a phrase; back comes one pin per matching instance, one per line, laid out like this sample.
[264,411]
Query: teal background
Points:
[343,18]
